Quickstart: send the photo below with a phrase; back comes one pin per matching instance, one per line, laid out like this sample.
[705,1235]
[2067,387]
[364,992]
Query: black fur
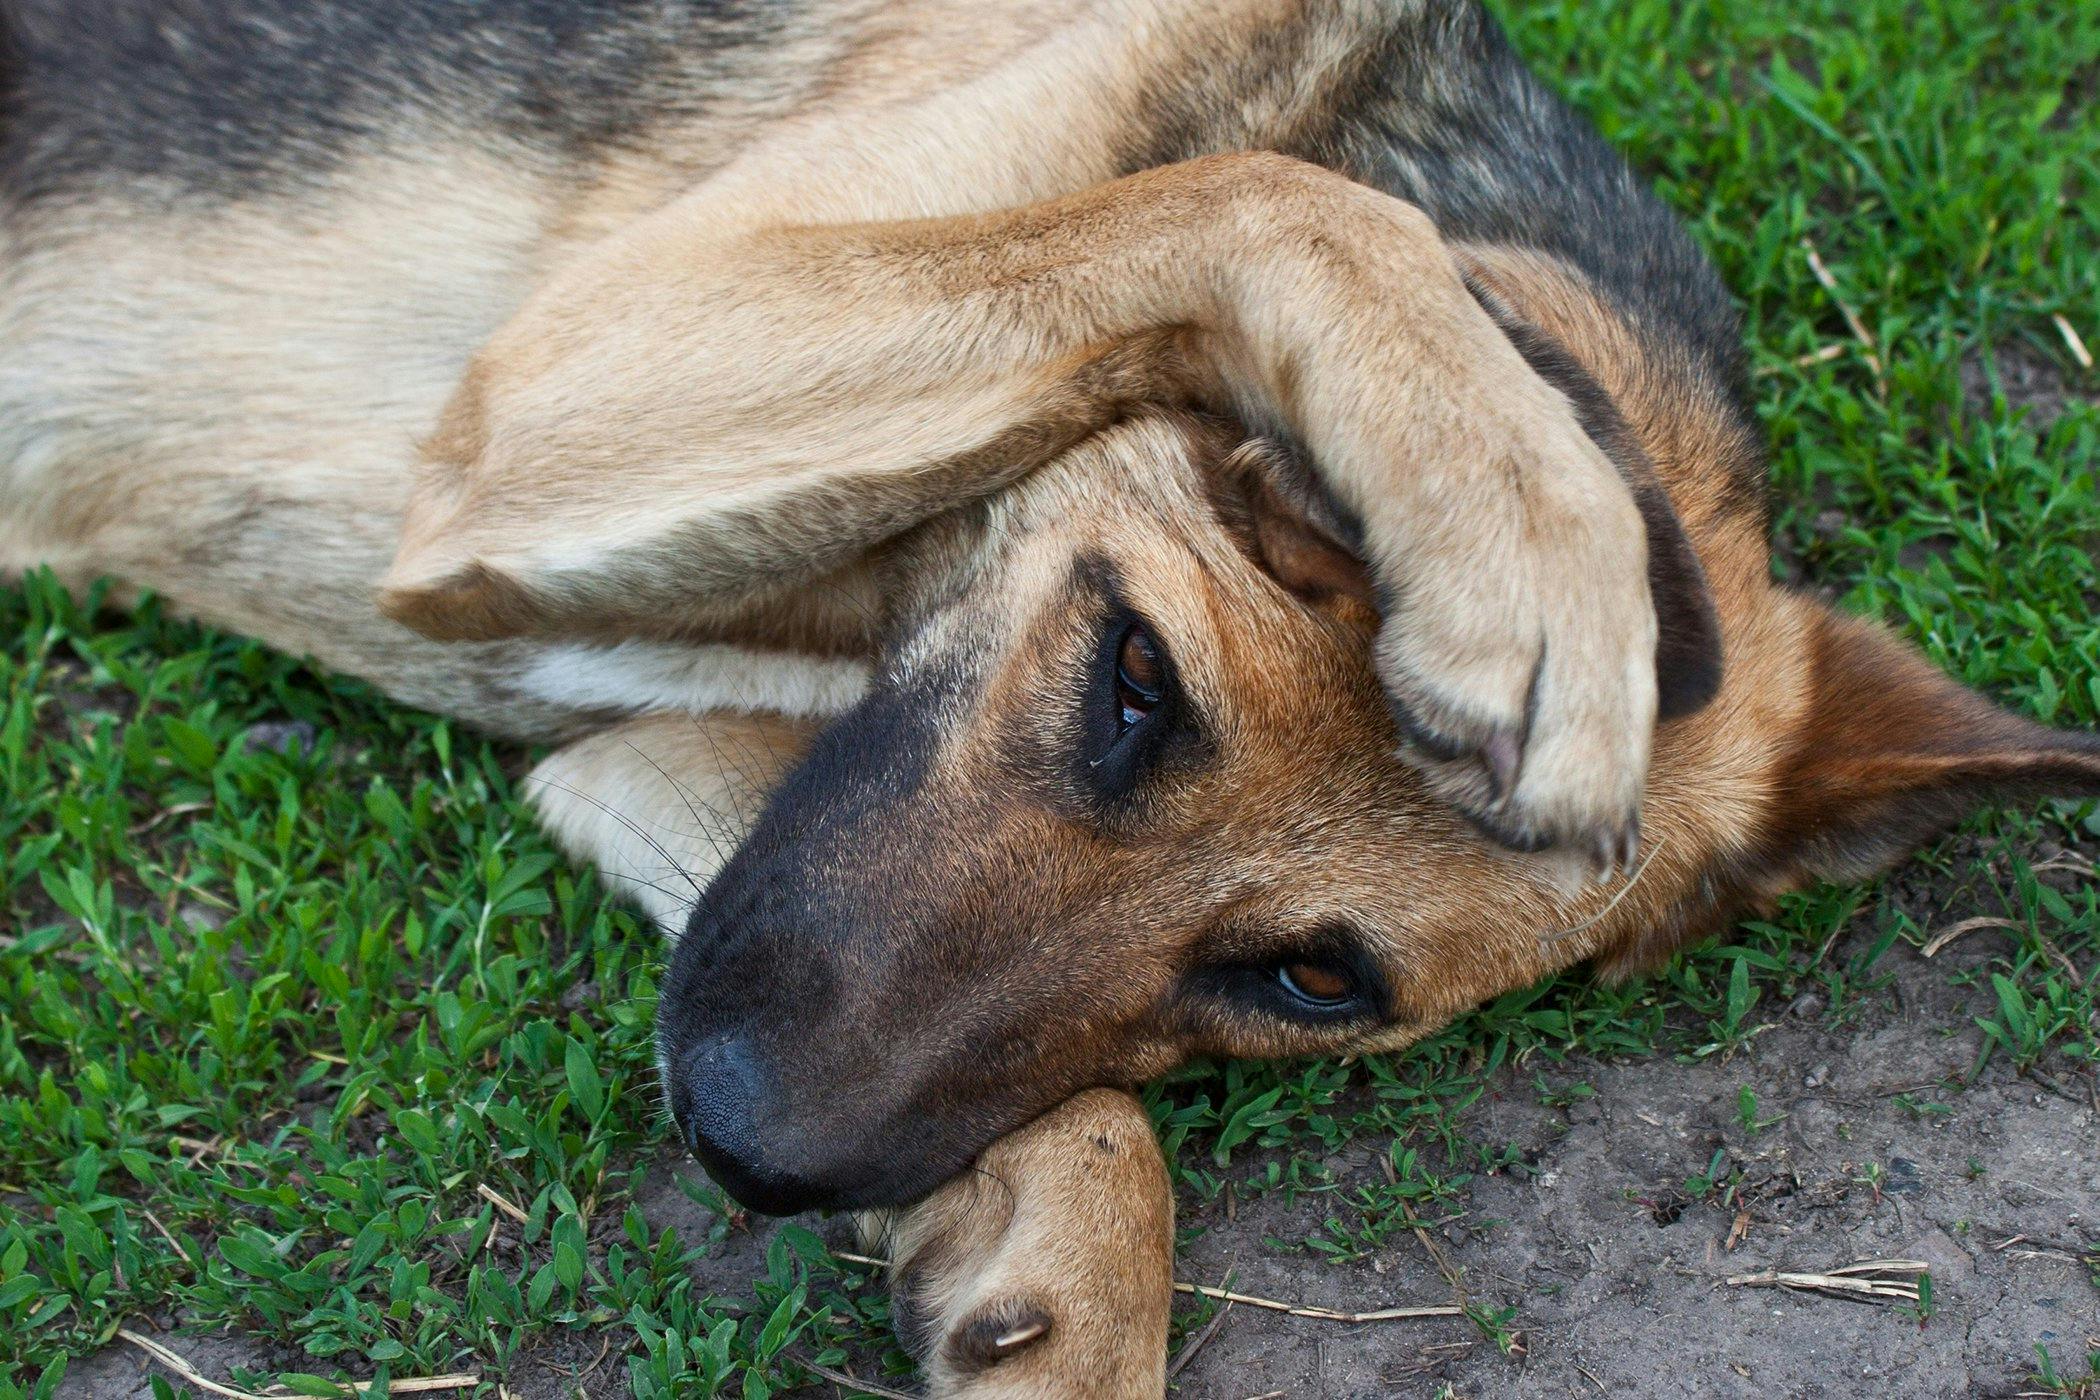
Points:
[1688,632]
[1440,111]
[208,99]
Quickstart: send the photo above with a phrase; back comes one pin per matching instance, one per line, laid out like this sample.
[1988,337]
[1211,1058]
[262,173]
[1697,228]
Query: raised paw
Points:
[1519,653]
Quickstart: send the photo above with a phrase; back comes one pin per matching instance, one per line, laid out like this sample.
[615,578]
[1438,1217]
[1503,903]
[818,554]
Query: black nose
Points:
[715,1095]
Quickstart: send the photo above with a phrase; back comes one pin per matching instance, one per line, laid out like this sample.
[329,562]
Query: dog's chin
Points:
[913,1175]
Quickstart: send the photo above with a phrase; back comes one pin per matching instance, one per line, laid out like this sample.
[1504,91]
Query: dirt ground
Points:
[1619,1276]
[1620,1280]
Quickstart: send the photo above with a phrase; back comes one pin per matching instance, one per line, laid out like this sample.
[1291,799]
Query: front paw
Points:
[1518,649]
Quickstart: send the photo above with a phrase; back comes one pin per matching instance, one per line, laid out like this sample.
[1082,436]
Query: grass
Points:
[287,978]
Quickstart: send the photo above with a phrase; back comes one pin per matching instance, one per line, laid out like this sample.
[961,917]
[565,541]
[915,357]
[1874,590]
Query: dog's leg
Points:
[698,417]
[1048,1270]
[658,803]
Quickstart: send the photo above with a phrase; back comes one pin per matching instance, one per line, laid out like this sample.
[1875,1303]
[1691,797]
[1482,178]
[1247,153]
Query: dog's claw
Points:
[1502,755]
[1616,853]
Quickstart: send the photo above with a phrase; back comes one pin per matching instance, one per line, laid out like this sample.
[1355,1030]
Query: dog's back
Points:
[231,99]
[247,246]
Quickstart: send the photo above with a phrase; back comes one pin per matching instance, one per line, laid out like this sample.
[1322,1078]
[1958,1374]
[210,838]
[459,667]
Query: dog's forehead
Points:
[1149,471]
[1142,506]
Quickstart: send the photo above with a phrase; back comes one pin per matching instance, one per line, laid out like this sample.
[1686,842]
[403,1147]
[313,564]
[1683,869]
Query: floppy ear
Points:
[1892,752]
[551,519]
[591,476]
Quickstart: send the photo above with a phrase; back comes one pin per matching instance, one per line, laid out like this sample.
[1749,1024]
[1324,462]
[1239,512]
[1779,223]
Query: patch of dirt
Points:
[120,1371]
[1617,1262]
[2028,378]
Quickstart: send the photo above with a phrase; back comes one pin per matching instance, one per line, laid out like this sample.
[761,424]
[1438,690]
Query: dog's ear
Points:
[1688,631]
[1891,752]
[1270,502]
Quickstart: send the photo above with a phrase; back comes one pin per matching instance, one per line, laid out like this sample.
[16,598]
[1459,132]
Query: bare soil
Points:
[2030,380]
[1620,1276]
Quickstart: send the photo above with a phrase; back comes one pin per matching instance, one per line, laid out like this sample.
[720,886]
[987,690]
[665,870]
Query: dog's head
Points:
[1123,790]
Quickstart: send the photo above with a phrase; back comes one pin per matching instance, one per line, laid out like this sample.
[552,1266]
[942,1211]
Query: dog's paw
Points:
[1518,649]
[1048,1270]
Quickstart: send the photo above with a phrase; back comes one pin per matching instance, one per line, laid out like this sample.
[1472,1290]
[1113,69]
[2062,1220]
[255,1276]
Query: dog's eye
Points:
[1318,984]
[1141,676]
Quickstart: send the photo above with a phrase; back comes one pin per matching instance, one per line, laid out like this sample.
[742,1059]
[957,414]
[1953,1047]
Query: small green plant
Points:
[1925,1110]
[1564,1096]
[1921,1310]
[1746,1114]
[1498,1326]
[2052,1382]
[1700,1185]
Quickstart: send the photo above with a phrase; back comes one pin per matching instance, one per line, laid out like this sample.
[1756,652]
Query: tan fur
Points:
[884,336]
[1047,1271]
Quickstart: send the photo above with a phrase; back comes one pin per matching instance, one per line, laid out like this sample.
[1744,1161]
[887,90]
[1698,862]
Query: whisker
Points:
[677,866]
[1549,940]
[714,838]
[714,748]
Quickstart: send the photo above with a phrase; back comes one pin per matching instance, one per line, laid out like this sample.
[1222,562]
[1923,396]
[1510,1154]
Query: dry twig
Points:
[1195,1344]
[1852,321]
[2072,340]
[848,1378]
[482,1189]
[1870,1278]
[1963,929]
[1324,1314]
[174,1361]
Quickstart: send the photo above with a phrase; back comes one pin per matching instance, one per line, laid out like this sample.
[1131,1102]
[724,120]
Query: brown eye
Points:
[1318,984]
[1140,674]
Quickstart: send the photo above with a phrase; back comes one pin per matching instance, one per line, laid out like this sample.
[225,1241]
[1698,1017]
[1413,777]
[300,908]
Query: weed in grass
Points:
[1746,1115]
[1924,1110]
[1718,1179]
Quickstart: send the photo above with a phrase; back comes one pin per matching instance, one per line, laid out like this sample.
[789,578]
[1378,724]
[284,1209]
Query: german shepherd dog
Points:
[1153,528]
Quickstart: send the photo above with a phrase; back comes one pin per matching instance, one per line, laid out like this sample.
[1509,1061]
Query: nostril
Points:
[718,1084]
[716,1099]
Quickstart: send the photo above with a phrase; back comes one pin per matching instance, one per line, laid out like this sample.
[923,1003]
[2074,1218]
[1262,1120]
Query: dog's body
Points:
[249,249]
[776,362]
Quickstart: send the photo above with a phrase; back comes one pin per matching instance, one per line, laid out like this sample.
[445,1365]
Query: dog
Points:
[1141,528]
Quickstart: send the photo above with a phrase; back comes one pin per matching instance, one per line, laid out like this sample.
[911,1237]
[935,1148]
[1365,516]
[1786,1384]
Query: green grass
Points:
[268,1019]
